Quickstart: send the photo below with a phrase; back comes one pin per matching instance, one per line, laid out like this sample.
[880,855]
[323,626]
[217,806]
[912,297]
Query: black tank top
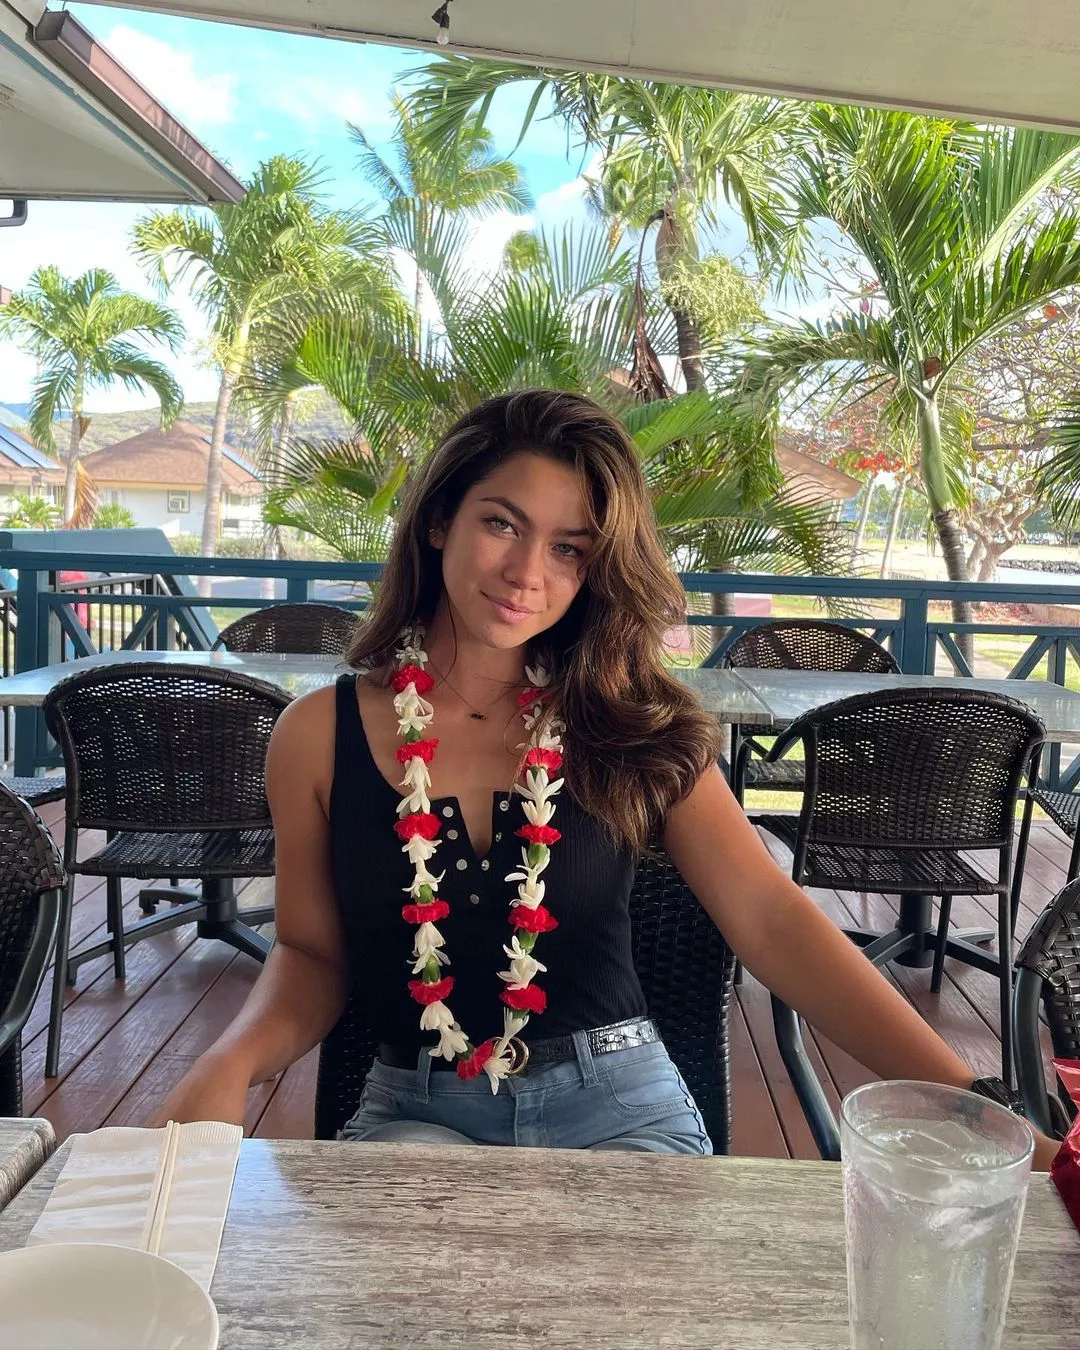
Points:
[590,979]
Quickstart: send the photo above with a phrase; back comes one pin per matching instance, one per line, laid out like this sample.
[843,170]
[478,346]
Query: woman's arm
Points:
[798,953]
[301,989]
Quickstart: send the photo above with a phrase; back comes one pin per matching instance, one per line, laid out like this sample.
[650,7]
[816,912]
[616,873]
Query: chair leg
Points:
[59,989]
[1074,857]
[1005,960]
[114,906]
[939,950]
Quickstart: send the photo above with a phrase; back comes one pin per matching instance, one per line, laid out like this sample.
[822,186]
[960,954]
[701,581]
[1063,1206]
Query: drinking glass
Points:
[935,1180]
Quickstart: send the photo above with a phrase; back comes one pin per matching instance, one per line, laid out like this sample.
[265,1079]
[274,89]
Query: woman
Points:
[516,638]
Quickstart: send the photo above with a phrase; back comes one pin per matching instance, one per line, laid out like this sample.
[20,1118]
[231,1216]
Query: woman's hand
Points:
[215,1088]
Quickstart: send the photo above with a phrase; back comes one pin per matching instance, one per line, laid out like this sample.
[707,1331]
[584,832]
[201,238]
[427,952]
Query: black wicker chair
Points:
[1063,808]
[899,785]
[793,644]
[31,880]
[686,969]
[309,628]
[169,761]
[37,791]
[1048,975]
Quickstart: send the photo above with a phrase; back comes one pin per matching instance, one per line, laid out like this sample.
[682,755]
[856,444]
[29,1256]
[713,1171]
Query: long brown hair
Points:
[636,739]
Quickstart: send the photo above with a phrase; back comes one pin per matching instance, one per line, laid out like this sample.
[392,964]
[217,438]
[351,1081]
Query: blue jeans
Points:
[632,1100]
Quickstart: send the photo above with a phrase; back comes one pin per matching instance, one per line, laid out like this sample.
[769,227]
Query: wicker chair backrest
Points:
[306,629]
[160,747]
[1052,951]
[808,644]
[918,768]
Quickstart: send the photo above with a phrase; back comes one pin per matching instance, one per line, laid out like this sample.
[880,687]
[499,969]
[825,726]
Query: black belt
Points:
[554,1049]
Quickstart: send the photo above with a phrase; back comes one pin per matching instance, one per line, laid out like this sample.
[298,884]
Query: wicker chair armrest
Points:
[28,984]
[785,740]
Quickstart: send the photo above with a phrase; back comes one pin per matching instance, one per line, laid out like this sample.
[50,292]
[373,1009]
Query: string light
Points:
[442,18]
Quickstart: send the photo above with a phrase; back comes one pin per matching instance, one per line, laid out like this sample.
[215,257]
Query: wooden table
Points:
[788,694]
[24,1145]
[332,1245]
[296,674]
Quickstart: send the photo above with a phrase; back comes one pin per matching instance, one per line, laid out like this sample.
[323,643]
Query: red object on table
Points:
[1065,1169]
[82,612]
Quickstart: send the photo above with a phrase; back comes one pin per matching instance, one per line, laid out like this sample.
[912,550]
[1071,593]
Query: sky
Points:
[248,94]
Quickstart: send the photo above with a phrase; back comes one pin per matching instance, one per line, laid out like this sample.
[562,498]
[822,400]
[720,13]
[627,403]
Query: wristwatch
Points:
[997,1090]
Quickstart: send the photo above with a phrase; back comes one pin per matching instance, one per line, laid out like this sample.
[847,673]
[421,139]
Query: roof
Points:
[991,60]
[175,458]
[812,480]
[76,125]
[23,464]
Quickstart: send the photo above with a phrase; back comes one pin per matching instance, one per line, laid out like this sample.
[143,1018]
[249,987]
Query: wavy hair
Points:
[636,738]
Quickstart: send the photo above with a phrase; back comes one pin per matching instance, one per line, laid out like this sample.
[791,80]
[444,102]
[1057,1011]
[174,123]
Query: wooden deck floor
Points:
[126,1043]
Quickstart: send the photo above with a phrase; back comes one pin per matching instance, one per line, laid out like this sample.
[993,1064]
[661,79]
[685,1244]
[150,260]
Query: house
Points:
[27,470]
[809,480]
[160,476]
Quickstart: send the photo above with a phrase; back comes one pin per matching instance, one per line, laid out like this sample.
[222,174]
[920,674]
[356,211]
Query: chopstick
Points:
[159,1193]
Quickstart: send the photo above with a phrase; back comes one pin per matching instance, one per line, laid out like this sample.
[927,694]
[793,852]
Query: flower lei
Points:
[419,829]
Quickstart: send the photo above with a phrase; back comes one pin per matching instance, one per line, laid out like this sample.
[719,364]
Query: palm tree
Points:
[960,231]
[669,154]
[85,334]
[31,513]
[1058,480]
[565,319]
[242,261]
[465,175]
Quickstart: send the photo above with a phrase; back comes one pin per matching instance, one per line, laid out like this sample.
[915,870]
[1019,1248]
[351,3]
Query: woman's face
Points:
[515,554]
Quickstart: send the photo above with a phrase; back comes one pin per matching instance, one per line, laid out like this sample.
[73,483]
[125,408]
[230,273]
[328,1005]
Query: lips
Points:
[507,610]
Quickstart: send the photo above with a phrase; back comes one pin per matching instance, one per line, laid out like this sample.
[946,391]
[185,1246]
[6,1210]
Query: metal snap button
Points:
[504,806]
[461,864]
[451,834]
[448,810]
[485,865]
[474,899]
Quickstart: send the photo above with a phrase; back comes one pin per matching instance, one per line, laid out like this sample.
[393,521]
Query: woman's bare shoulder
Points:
[302,744]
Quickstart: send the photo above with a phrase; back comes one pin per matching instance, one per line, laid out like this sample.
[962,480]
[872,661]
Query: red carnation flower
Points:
[540,834]
[531,999]
[423,749]
[422,823]
[425,913]
[471,1066]
[547,759]
[412,675]
[433,991]
[538,920]
[528,697]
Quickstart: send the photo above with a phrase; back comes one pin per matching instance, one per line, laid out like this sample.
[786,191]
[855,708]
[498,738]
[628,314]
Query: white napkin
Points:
[165,1191]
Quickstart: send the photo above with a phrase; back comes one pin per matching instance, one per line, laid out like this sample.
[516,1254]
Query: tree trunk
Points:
[272,547]
[864,515]
[670,246]
[212,508]
[990,559]
[894,524]
[943,513]
[71,472]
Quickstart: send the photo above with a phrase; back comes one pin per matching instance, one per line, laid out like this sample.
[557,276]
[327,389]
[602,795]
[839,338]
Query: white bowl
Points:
[89,1296]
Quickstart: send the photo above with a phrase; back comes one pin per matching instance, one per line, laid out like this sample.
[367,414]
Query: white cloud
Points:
[170,75]
[309,100]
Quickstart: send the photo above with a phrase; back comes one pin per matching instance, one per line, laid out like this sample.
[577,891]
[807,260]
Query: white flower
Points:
[424,957]
[428,941]
[538,815]
[452,1042]
[435,1016]
[423,878]
[419,849]
[499,1064]
[538,676]
[523,966]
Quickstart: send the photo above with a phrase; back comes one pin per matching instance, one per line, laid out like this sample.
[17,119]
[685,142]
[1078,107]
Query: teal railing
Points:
[157,593]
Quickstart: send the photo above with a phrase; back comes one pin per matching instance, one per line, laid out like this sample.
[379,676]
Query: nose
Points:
[524,568]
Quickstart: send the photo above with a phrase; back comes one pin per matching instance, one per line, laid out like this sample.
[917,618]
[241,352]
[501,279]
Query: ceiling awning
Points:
[994,60]
[74,124]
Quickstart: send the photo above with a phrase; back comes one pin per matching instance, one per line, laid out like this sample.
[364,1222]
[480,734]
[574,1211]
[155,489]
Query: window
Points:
[179,501]
[235,499]
[54,494]
[111,497]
